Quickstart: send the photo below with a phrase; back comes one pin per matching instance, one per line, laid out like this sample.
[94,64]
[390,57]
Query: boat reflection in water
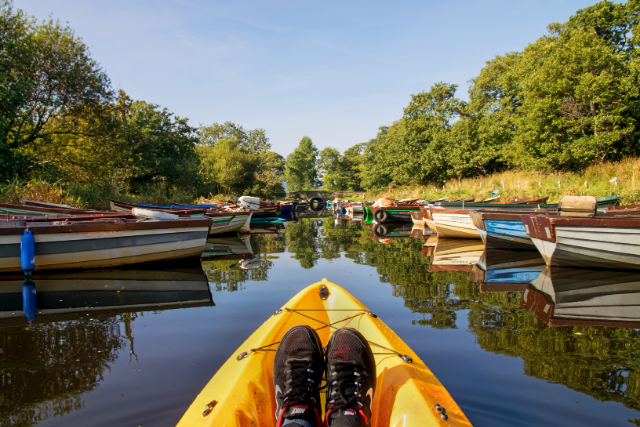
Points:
[65,295]
[585,297]
[455,254]
[234,245]
[506,271]
[268,228]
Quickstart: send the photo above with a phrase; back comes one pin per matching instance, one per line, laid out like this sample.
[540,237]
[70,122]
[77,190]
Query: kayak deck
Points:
[406,394]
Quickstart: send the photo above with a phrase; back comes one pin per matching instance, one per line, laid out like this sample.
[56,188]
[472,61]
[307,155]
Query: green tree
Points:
[340,171]
[577,104]
[252,141]
[301,172]
[51,74]
[330,167]
[45,72]
[373,167]
[269,176]
[226,168]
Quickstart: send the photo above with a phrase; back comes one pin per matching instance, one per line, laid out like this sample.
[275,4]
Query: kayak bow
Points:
[241,393]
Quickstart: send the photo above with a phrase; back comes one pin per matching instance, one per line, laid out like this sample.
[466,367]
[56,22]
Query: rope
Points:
[404,357]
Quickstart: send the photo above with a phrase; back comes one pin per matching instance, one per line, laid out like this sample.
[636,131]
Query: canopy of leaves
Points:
[565,102]
[301,172]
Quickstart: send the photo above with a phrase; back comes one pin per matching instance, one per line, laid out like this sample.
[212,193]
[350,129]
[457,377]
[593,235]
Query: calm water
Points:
[161,334]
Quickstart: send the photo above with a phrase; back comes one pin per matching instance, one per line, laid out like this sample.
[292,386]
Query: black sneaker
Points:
[297,374]
[351,379]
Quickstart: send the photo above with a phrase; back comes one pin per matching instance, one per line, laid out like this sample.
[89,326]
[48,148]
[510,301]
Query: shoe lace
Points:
[299,389]
[299,386]
[346,384]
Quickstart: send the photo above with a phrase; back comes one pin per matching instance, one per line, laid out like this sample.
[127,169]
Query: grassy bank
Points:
[594,181]
[85,196]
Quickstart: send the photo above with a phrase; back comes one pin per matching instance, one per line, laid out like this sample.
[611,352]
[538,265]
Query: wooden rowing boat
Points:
[10,208]
[608,242]
[457,222]
[102,242]
[223,220]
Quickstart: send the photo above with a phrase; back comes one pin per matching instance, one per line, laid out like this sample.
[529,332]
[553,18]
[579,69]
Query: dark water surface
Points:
[143,362]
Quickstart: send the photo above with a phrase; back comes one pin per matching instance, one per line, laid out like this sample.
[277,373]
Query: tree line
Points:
[61,120]
[569,100]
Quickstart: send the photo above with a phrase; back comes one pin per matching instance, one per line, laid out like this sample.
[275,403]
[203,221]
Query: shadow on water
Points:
[573,328]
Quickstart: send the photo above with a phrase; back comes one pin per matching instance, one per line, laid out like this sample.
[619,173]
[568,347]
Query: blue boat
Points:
[505,230]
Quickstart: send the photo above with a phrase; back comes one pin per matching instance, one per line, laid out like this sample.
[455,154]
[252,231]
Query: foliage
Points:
[234,160]
[567,101]
[252,141]
[60,122]
[301,172]
[226,167]
[46,72]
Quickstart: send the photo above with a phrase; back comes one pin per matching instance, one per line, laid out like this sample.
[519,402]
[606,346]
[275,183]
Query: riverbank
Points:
[85,196]
[600,180]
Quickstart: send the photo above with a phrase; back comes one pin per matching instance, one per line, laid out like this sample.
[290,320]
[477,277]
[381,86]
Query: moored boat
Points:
[502,230]
[95,242]
[41,209]
[457,222]
[606,242]
[387,210]
[224,220]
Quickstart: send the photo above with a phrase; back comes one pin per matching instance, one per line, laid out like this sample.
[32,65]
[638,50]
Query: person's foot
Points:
[297,374]
[351,379]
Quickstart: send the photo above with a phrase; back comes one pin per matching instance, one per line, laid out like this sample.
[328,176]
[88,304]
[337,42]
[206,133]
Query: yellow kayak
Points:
[241,393]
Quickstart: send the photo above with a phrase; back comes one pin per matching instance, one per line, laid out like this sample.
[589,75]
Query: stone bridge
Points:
[325,194]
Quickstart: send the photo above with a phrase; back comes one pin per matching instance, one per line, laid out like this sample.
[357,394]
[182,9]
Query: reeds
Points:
[600,180]
[86,196]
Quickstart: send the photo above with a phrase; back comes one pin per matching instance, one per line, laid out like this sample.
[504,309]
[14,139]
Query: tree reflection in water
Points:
[226,274]
[47,367]
[598,361]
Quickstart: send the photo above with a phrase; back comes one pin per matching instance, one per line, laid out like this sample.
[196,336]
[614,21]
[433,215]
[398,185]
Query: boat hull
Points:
[457,225]
[507,235]
[406,393]
[227,223]
[595,247]
[104,248]
[398,215]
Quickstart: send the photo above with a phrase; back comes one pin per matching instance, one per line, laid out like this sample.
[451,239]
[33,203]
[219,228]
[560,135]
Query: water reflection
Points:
[63,295]
[456,254]
[29,300]
[504,271]
[47,367]
[576,328]
[78,322]
[583,297]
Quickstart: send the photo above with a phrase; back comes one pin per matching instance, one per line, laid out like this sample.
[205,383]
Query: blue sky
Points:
[332,70]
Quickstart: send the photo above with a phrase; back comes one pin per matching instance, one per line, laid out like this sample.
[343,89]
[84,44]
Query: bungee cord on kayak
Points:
[403,357]
[320,337]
